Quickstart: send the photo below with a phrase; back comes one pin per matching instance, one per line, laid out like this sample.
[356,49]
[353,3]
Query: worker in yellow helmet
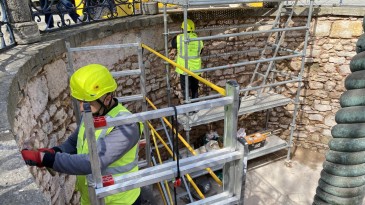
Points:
[117,147]
[194,60]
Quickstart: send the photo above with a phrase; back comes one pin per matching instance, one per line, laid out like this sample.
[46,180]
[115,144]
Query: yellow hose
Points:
[209,170]
[169,150]
[160,162]
[206,82]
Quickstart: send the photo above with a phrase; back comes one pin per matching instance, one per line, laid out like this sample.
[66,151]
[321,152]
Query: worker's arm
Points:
[174,43]
[110,148]
[69,146]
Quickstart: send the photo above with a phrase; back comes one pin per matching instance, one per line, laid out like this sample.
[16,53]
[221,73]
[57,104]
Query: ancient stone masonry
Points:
[44,118]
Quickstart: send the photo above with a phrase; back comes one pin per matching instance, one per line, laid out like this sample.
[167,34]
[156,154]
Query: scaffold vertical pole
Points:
[70,71]
[232,171]
[186,57]
[167,65]
[146,132]
[300,76]
[94,180]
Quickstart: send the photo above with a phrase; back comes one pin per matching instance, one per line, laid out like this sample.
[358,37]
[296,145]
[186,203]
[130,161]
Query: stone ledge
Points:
[18,186]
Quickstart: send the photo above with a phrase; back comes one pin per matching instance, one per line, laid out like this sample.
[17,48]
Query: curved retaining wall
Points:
[35,106]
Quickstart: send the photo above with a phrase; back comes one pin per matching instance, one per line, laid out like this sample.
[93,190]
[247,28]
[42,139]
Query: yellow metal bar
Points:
[169,150]
[160,162]
[209,170]
[206,82]
[160,138]
[163,197]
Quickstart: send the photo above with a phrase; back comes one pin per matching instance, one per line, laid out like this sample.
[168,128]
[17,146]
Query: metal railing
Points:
[6,33]
[64,13]
[333,2]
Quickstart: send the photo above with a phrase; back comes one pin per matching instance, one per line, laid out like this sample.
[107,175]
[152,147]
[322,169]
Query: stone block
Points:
[56,75]
[329,120]
[330,86]
[322,29]
[337,60]
[38,95]
[26,32]
[346,29]
[322,108]
[315,85]
[316,117]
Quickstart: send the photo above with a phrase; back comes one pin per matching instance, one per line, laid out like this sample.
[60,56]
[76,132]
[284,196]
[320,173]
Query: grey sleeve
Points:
[110,148]
[69,146]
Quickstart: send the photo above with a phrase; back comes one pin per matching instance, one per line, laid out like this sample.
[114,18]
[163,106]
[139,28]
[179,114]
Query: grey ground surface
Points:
[270,182]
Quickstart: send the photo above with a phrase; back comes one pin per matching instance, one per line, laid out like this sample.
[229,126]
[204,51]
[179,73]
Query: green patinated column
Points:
[25,29]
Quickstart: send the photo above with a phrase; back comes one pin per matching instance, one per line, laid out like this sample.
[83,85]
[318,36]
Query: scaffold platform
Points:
[248,105]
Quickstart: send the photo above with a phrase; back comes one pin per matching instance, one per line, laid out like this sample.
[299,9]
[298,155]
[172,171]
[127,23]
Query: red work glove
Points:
[32,157]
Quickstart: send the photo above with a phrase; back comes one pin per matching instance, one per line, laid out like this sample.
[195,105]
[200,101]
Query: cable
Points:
[175,143]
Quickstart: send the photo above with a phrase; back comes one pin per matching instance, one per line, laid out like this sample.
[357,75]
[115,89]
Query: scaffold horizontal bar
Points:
[207,2]
[247,33]
[154,114]
[130,98]
[205,97]
[233,53]
[168,171]
[216,28]
[123,73]
[269,85]
[88,48]
[213,2]
[222,198]
[248,63]
[285,49]
[168,165]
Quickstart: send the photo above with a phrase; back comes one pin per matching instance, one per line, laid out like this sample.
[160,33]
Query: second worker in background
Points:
[194,60]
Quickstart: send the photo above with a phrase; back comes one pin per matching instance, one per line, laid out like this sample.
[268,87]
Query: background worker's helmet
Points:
[91,82]
[191,25]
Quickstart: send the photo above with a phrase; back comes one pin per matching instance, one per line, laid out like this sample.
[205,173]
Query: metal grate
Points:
[221,14]
[63,13]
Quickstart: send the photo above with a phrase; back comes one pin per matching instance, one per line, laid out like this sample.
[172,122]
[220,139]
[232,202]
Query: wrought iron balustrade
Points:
[56,12]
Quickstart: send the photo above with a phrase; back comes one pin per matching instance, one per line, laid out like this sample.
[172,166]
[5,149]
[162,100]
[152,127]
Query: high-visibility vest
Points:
[126,164]
[194,49]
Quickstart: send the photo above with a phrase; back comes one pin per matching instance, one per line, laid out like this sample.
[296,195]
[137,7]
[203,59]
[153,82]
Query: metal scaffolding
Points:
[227,105]
[233,157]
[260,93]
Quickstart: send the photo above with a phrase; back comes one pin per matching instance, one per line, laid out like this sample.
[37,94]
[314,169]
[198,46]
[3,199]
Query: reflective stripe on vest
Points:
[194,49]
[126,164]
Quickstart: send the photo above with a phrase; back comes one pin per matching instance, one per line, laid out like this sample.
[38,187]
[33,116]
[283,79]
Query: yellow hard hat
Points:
[191,25]
[91,82]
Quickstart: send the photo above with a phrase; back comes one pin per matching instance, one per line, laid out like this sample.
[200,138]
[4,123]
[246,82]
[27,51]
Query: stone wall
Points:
[38,106]
[331,47]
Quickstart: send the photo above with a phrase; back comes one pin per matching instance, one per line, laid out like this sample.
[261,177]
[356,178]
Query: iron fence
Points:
[63,13]
[6,33]
[334,2]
